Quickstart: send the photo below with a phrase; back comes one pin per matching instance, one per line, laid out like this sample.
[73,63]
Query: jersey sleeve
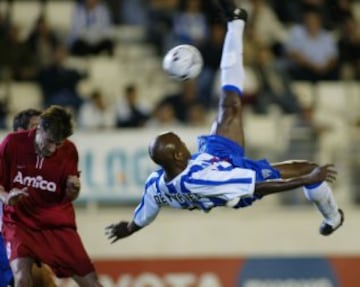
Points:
[72,162]
[148,208]
[226,183]
[4,162]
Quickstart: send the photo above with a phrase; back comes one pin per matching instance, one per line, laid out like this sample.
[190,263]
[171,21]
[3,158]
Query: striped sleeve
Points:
[148,208]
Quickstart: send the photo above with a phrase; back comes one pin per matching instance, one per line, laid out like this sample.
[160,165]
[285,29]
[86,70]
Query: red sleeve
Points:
[4,162]
[73,160]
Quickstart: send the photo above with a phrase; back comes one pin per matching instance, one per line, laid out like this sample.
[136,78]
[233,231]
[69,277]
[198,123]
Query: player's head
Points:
[55,127]
[26,120]
[169,151]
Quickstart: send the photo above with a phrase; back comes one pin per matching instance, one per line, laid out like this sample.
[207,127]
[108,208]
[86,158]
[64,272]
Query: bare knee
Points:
[89,280]
[21,268]
[22,278]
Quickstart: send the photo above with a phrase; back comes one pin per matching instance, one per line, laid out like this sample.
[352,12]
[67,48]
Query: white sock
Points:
[324,200]
[232,70]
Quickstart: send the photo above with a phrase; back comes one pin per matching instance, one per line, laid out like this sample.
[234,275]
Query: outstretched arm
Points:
[319,174]
[123,229]
[144,214]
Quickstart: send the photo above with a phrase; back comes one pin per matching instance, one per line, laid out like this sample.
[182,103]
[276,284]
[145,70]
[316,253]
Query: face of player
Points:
[33,122]
[181,146]
[45,144]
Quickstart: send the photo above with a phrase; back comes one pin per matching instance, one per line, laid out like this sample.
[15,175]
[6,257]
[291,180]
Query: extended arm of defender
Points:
[319,174]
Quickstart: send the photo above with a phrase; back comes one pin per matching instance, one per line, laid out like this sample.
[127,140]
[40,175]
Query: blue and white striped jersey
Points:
[207,182]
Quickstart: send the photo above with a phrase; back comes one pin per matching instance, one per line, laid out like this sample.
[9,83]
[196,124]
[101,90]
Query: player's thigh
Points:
[89,280]
[294,168]
[42,276]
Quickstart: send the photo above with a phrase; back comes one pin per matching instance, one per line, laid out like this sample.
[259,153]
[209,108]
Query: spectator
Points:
[274,84]
[190,24]
[3,113]
[288,12]
[42,42]
[93,114]
[129,112]
[211,51]
[90,32]
[160,21]
[15,58]
[59,83]
[3,26]
[184,99]
[312,50]
[196,115]
[267,27]
[132,12]
[349,47]
[163,116]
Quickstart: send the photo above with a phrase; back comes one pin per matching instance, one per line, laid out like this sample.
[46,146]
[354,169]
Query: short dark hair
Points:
[22,119]
[58,122]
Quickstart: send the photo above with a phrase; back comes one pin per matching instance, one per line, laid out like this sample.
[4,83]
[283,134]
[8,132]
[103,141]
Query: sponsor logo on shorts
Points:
[266,173]
[35,181]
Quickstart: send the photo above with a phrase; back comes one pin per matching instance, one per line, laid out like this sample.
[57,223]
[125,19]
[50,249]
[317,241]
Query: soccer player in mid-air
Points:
[42,276]
[39,179]
[219,174]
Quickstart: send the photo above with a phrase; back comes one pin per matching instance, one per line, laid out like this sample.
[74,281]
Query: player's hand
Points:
[15,195]
[73,186]
[323,173]
[114,232]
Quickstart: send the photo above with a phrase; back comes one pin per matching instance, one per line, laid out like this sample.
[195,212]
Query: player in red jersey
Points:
[39,180]
[42,275]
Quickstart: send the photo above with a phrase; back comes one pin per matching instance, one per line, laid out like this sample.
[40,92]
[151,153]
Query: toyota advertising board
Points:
[229,272]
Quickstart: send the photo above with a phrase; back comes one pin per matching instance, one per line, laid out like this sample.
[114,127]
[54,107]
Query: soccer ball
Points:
[183,62]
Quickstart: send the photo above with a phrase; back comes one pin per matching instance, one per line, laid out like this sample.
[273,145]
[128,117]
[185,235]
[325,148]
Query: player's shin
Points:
[322,197]
[232,69]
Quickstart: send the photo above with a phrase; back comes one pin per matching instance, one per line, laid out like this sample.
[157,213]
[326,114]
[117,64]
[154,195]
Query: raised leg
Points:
[229,122]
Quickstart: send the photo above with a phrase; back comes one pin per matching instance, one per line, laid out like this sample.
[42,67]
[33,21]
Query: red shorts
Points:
[60,248]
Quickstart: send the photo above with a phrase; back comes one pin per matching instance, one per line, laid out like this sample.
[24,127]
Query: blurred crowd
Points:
[286,41]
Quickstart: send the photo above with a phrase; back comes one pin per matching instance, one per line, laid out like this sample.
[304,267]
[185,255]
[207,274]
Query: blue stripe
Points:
[314,185]
[193,169]
[171,188]
[232,88]
[153,179]
[140,206]
[222,168]
[217,201]
[213,183]
[182,184]
[157,185]
[198,204]
[149,183]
